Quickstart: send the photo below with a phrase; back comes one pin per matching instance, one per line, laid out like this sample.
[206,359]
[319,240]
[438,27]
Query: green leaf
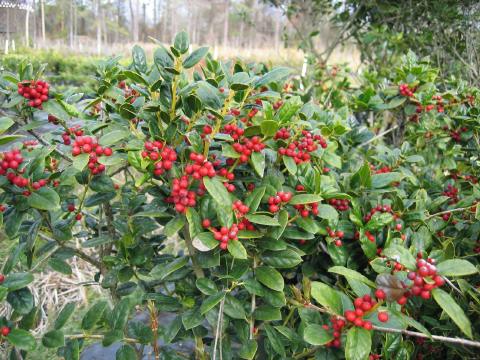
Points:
[258,161]
[269,127]
[101,183]
[181,42]
[456,267]
[316,335]
[161,271]
[44,198]
[327,297]
[401,255]
[9,138]
[174,225]
[269,277]
[80,161]
[229,152]
[53,107]
[113,137]
[210,302]
[17,281]
[206,286]
[378,221]
[216,189]
[96,242]
[60,266]
[208,95]
[308,224]
[5,124]
[119,315]
[290,164]
[126,352]
[253,200]
[327,212]
[21,300]
[275,342]
[267,313]
[383,180]
[351,274]
[138,330]
[192,318]
[205,241]
[193,59]
[248,350]
[411,322]
[139,59]
[72,350]
[64,315]
[305,199]
[234,308]
[21,339]
[262,220]
[53,339]
[273,75]
[450,306]
[282,259]
[236,249]
[359,344]
[362,177]
[93,315]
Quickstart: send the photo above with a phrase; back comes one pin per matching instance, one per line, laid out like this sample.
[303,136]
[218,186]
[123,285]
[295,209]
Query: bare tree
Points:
[225,22]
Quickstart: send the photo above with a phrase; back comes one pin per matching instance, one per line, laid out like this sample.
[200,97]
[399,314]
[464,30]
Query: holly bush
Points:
[267,223]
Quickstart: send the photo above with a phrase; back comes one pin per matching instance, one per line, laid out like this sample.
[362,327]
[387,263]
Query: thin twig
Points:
[380,135]
[447,212]
[218,331]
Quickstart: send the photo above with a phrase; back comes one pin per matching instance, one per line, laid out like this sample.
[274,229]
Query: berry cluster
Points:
[89,145]
[181,196]
[300,150]
[362,306]
[10,160]
[75,131]
[240,208]
[230,176]
[283,134]
[425,279]
[35,91]
[452,192]
[439,100]
[305,209]
[378,208]
[233,130]
[337,235]
[277,105]
[382,170]
[337,327]
[165,155]
[340,204]
[275,202]
[247,147]
[234,112]
[456,135]
[406,90]
[224,235]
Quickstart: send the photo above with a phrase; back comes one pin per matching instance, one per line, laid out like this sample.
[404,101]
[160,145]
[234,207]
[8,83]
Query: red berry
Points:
[383,316]
[380,294]
[206,223]
[5,330]
[2,278]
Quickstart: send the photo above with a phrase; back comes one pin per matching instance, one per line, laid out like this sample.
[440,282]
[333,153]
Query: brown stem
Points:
[154,327]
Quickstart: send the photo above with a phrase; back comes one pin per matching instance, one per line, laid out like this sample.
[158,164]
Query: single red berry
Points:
[5,330]
[383,316]
[398,227]
[380,294]
[78,216]
[71,207]
[2,278]
[206,223]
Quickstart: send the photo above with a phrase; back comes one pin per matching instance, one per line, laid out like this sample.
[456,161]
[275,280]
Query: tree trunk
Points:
[225,23]
[277,32]
[99,27]
[27,37]
[70,27]
[134,18]
[42,14]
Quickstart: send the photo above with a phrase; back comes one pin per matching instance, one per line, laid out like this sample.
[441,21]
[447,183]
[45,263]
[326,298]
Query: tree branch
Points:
[446,339]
